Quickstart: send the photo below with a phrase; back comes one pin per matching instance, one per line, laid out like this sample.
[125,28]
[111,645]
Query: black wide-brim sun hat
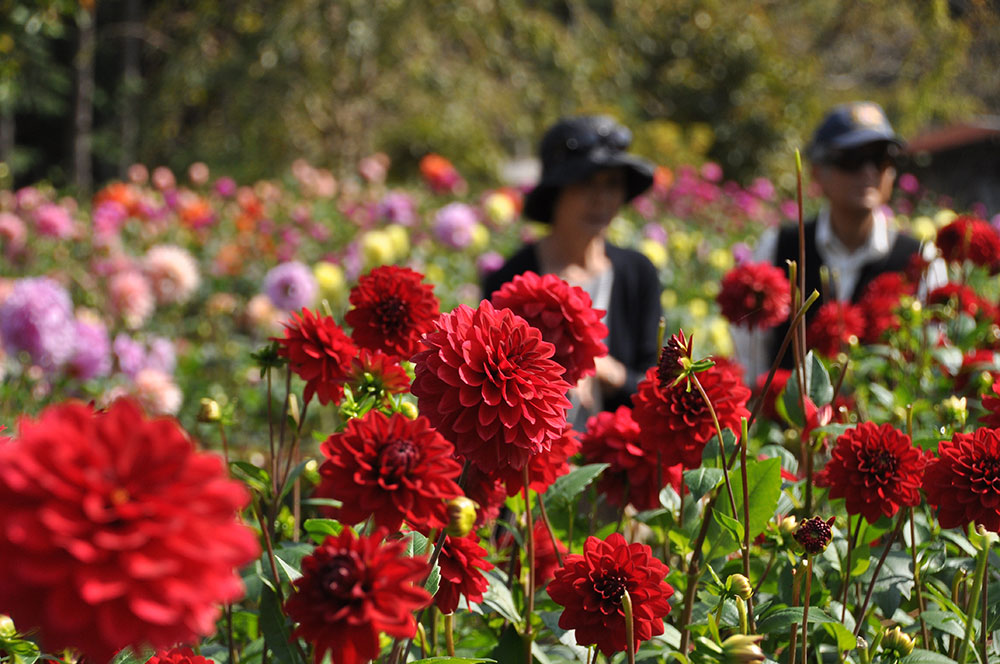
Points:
[576,148]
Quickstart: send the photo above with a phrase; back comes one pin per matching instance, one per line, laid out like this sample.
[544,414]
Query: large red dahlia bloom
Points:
[633,476]
[591,587]
[835,325]
[991,402]
[115,532]
[392,468]
[178,656]
[755,295]
[879,303]
[876,468]
[564,315]
[964,481]
[968,238]
[963,298]
[393,308]
[462,563]
[488,383]
[675,421]
[352,589]
[319,353]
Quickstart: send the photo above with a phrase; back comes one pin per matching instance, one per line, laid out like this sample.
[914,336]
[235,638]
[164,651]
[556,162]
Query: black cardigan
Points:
[633,311]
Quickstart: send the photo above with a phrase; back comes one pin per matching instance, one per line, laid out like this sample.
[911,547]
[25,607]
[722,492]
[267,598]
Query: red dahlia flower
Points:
[319,353]
[178,656]
[591,587]
[876,468]
[544,467]
[969,239]
[462,563]
[115,532]
[964,481]
[488,383]
[770,409]
[675,421]
[352,589]
[392,468]
[835,324]
[755,295]
[633,476]
[963,299]
[564,315]
[879,303]
[393,308]
[377,374]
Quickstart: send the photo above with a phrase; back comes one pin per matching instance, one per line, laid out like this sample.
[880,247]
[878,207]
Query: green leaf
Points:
[729,524]
[292,573]
[322,502]
[782,619]
[320,529]
[819,389]
[845,638]
[711,451]
[949,623]
[433,580]
[763,491]
[566,488]
[253,476]
[274,627]
[455,660]
[702,480]
[417,544]
[498,598]
[921,656]
[950,357]
[292,476]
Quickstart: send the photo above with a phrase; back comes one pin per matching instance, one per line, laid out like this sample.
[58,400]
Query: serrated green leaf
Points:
[819,389]
[949,623]
[702,480]
[292,573]
[416,544]
[731,525]
[567,487]
[433,581]
[320,529]
[274,627]
[498,598]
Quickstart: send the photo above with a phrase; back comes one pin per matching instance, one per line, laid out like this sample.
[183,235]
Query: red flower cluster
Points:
[564,315]
[835,325]
[544,467]
[675,421]
[755,295]
[393,308]
[969,239]
[879,303]
[964,481]
[876,468]
[963,298]
[591,587]
[319,353]
[633,476]
[115,532]
[440,175]
[488,383]
[352,589]
[378,374]
[991,402]
[178,656]
[392,468]
[462,563]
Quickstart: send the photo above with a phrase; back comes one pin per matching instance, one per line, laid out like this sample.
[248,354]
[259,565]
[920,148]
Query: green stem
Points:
[851,543]
[629,627]
[973,605]
[722,447]
[449,633]
[743,443]
[805,610]
[530,590]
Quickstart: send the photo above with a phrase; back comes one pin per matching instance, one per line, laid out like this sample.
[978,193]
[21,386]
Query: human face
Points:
[588,206]
[858,180]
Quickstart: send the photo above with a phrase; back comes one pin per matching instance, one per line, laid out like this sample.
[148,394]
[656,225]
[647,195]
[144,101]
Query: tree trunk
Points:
[83,116]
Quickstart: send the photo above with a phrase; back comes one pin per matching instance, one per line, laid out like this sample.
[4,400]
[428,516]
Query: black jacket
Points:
[633,311]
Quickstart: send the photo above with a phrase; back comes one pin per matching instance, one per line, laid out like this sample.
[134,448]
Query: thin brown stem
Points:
[449,634]
[548,527]
[793,637]
[693,572]
[743,442]
[916,582]
[529,592]
[805,610]
[878,567]
[722,447]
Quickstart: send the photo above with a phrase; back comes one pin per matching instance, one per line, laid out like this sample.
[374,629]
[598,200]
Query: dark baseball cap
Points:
[849,126]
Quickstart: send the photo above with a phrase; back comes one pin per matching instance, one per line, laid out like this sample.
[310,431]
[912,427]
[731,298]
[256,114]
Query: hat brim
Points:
[539,203]
[852,140]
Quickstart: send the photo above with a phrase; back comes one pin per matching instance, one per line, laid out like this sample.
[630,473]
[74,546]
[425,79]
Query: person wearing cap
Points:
[587,176]
[853,156]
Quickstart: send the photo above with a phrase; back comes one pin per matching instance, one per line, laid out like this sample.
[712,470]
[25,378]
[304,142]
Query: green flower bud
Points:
[7,629]
[896,641]
[409,409]
[311,472]
[743,649]
[209,411]
[461,516]
[739,585]
[788,525]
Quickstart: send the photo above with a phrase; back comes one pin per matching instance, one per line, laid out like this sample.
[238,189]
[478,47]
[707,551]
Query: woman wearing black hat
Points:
[586,178]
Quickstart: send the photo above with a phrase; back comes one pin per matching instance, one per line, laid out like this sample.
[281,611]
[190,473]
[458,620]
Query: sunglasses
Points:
[852,161]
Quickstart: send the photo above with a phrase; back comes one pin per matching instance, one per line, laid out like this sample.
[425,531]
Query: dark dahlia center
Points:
[339,577]
[611,587]
[397,458]
[390,313]
[881,464]
[988,468]
[690,401]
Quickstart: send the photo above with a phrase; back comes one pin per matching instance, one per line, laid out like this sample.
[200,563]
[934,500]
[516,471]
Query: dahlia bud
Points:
[739,585]
[461,516]
[743,649]
[896,641]
[814,534]
[209,411]
[955,410]
[311,471]
[788,525]
[409,409]
[672,356]
[7,629]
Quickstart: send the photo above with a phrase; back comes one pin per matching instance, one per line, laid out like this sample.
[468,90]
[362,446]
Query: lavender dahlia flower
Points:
[91,351]
[453,225]
[37,318]
[291,286]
